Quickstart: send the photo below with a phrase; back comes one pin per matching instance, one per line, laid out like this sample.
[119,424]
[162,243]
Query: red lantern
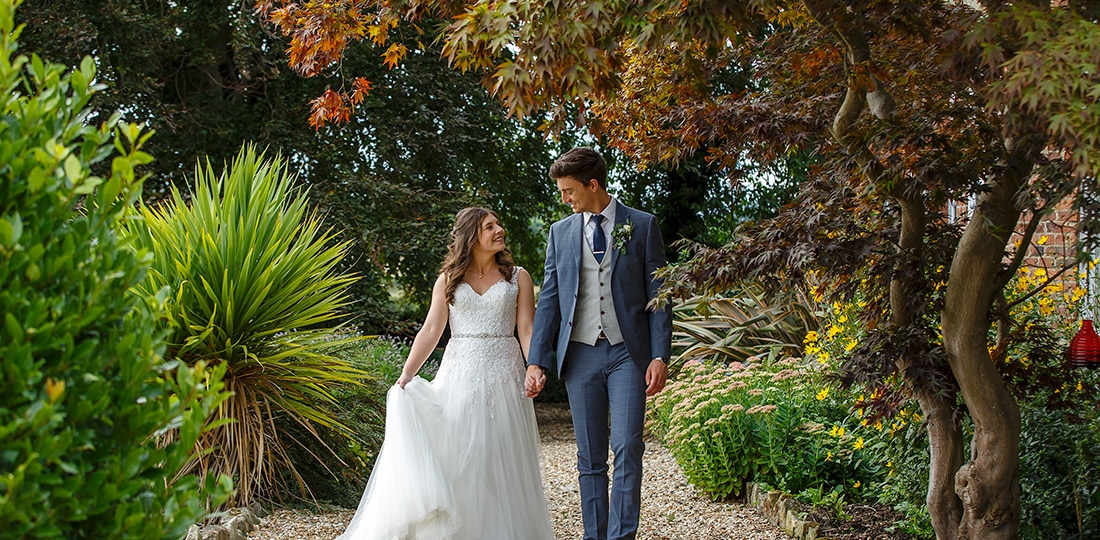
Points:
[1084,350]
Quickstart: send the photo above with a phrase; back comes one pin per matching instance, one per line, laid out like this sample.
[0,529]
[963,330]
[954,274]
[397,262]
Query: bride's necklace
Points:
[480,274]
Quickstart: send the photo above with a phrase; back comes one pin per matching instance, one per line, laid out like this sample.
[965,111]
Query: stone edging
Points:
[233,524]
[784,510]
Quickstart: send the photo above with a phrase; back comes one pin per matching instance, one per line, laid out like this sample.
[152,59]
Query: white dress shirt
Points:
[608,224]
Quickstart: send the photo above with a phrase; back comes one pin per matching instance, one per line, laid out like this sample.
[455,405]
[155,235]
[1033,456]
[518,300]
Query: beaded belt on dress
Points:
[482,335]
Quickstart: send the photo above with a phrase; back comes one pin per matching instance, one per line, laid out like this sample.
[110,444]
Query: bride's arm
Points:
[525,311]
[428,336]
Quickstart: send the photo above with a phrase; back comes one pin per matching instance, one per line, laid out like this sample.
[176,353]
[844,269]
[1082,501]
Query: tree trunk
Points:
[945,449]
[988,484]
[945,440]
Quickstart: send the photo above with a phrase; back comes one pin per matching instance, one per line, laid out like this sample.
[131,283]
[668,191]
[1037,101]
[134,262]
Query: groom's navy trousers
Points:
[604,382]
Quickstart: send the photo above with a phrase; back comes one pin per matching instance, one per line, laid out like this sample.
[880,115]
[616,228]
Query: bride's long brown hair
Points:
[460,253]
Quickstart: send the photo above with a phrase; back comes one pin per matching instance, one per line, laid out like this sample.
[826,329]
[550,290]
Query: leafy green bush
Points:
[770,422]
[254,288]
[85,393]
[1059,474]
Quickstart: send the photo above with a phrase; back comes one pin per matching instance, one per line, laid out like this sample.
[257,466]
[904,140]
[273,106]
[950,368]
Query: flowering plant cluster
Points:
[765,422]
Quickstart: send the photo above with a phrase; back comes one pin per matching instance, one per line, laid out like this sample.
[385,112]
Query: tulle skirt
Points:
[460,458]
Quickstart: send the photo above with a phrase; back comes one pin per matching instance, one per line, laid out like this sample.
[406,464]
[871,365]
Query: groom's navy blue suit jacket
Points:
[647,333]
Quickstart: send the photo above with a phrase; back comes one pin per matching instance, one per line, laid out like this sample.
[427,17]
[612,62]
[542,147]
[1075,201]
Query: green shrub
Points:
[84,391]
[254,288]
[1059,474]
[770,422]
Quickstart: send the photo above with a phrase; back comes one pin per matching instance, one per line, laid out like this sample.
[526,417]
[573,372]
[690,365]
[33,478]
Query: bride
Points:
[460,455]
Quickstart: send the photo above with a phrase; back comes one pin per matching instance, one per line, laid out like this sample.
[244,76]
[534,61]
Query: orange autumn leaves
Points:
[337,106]
[320,33]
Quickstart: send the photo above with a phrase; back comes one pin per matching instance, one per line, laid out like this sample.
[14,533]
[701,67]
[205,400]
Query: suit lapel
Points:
[576,237]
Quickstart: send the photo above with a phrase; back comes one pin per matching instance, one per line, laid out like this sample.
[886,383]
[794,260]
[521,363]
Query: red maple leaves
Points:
[336,106]
[320,33]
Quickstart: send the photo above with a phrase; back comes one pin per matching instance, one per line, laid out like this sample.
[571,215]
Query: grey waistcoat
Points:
[595,311]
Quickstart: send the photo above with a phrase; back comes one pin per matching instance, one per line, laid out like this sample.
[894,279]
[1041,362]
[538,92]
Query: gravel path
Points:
[671,509]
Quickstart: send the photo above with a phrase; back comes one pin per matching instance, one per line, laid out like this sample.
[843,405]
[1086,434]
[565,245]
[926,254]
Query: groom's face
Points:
[580,197]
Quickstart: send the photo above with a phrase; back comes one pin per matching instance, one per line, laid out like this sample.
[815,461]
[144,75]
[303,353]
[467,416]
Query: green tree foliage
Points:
[208,76]
[85,393]
[254,286]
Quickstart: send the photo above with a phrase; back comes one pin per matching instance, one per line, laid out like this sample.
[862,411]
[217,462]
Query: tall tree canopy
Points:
[207,75]
[903,106]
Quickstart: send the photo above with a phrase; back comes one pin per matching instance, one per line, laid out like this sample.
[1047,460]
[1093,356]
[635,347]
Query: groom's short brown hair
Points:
[581,164]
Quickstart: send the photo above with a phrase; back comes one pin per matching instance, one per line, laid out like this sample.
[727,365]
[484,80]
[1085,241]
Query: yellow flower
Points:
[842,319]
[837,431]
[857,484]
[1042,240]
[850,345]
[858,444]
[829,456]
[878,425]
[823,393]
[834,330]
[1040,273]
[811,337]
[823,358]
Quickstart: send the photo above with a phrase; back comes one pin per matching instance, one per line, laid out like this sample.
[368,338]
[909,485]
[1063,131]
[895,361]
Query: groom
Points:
[610,349]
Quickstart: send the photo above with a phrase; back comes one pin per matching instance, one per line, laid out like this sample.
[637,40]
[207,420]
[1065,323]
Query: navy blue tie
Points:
[599,241]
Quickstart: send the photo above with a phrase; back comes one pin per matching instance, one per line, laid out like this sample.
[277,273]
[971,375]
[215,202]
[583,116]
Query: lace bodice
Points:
[483,351]
[492,314]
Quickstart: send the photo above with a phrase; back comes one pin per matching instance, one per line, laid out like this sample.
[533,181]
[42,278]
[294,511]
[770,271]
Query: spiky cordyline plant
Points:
[250,279]
[740,325]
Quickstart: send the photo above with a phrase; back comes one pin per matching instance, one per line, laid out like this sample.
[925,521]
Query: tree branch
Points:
[1018,258]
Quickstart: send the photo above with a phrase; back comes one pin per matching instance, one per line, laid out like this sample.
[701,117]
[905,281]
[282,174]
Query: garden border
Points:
[783,510]
[233,524]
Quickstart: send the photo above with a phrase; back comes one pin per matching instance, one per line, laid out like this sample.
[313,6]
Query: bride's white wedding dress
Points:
[460,455]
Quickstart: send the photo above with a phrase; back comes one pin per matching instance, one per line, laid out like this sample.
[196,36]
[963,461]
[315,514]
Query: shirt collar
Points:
[608,212]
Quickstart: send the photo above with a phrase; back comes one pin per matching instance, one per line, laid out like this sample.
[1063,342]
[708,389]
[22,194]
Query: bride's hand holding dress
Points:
[429,334]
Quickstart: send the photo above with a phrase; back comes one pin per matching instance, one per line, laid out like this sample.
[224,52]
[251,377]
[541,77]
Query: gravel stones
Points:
[671,509]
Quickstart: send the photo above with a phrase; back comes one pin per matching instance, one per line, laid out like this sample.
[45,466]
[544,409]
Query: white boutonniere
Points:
[621,234]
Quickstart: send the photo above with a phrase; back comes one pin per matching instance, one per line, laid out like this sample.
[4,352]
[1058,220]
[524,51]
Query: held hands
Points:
[655,377]
[534,381]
